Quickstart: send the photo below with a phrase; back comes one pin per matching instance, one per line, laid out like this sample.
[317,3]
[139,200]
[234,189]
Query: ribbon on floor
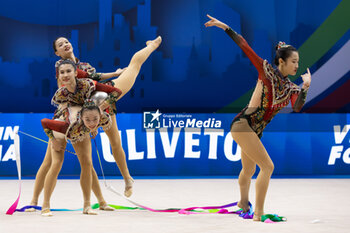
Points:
[269,218]
[272,218]
[190,210]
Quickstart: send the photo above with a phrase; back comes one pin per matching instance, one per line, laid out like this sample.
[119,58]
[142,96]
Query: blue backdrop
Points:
[299,144]
[195,70]
[192,58]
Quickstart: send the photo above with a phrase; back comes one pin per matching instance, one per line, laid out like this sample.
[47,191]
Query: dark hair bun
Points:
[283,51]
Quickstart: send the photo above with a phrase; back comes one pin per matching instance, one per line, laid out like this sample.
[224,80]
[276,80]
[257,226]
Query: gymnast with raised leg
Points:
[125,81]
[273,92]
[64,49]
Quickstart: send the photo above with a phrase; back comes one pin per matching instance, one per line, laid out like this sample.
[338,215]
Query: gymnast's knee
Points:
[268,168]
[86,164]
[45,165]
[56,164]
[116,146]
[115,142]
[136,62]
[248,172]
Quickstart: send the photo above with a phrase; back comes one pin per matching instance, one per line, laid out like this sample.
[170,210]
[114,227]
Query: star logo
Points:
[156,115]
[151,119]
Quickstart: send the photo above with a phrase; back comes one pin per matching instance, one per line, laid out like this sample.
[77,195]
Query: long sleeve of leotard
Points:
[113,92]
[107,88]
[90,70]
[298,100]
[242,43]
[54,125]
[82,74]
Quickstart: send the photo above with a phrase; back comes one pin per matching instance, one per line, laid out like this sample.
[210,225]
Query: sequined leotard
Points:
[273,90]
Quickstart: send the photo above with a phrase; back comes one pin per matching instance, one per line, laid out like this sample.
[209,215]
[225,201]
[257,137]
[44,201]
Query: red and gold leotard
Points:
[84,88]
[83,91]
[75,131]
[272,93]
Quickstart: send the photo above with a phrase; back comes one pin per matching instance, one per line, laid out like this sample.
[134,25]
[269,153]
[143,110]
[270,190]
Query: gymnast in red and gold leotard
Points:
[273,92]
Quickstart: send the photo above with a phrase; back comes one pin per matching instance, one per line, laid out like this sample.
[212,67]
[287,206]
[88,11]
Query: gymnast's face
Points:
[291,65]
[63,47]
[66,75]
[91,119]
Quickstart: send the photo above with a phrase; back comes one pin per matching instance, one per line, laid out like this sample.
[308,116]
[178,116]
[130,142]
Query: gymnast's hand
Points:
[306,79]
[119,71]
[94,134]
[104,105]
[215,22]
[57,144]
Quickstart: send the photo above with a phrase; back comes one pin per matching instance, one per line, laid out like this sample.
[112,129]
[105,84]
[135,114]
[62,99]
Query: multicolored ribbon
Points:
[269,218]
[23,209]
[272,218]
[190,210]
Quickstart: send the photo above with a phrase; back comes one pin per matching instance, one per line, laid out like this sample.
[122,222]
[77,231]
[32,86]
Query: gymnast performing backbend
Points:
[273,92]
[72,94]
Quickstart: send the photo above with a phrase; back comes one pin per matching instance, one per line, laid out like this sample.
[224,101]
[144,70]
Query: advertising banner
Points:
[163,144]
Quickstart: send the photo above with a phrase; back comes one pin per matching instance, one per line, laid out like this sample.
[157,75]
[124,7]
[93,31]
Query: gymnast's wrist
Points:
[306,86]
[225,27]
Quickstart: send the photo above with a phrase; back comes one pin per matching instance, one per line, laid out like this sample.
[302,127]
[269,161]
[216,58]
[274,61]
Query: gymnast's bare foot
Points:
[31,209]
[46,212]
[155,43]
[88,210]
[244,206]
[257,215]
[128,187]
[104,206]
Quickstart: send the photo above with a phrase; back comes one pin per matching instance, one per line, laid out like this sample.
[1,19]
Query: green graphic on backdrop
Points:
[318,44]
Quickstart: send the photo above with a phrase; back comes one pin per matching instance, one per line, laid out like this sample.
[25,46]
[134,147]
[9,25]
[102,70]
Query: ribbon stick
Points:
[13,207]
[39,139]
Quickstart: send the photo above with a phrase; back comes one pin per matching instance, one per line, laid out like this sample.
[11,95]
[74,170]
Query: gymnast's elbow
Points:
[44,122]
